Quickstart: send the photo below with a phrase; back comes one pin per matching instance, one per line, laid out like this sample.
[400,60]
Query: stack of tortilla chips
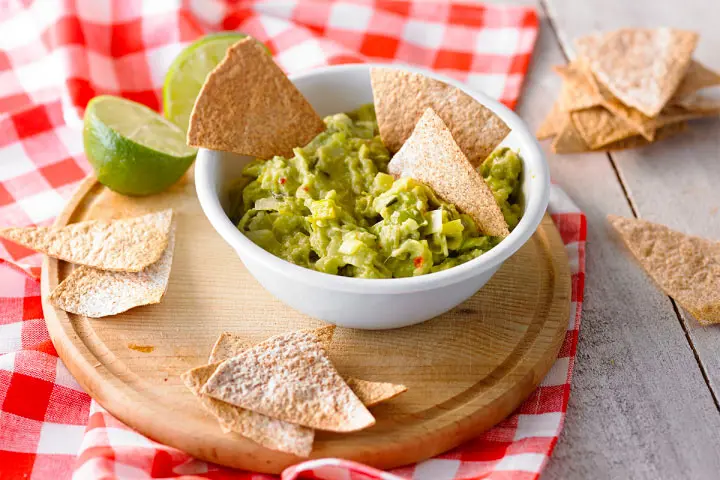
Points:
[276,393]
[629,88]
[122,263]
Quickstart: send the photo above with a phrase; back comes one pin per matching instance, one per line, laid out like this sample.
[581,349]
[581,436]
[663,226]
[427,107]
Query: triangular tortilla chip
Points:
[641,67]
[370,393]
[266,431]
[231,344]
[553,123]
[640,141]
[569,139]
[703,101]
[402,97]
[249,107]
[598,127]
[431,156]
[290,377]
[100,293]
[124,245]
[686,268]
[697,78]
[578,92]
[373,393]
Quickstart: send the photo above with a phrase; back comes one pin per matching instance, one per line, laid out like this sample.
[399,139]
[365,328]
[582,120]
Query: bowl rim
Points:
[535,207]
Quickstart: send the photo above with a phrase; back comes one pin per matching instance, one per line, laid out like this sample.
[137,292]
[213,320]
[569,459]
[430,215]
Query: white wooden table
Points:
[644,401]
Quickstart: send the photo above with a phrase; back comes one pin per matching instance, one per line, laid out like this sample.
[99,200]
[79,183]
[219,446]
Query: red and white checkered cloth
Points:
[56,55]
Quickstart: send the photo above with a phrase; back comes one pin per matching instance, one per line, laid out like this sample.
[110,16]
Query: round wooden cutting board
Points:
[465,371]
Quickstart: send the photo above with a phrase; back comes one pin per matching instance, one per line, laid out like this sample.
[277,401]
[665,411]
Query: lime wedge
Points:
[133,149]
[186,75]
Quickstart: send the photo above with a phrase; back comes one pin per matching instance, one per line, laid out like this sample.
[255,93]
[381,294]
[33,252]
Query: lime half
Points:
[186,75]
[133,149]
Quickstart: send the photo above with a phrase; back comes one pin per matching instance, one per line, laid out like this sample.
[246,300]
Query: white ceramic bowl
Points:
[370,303]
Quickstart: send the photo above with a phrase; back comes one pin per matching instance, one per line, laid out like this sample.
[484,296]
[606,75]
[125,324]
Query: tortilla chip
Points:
[402,97]
[431,156]
[569,139]
[687,268]
[99,293]
[697,77]
[266,431]
[124,245]
[641,67]
[228,345]
[640,141]
[553,123]
[373,393]
[231,344]
[249,107]
[578,91]
[702,101]
[632,117]
[289,377]
[676,113]
[598,127]
[370,393]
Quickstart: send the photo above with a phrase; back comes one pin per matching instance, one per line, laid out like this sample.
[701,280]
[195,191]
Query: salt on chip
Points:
[266,431]
[402,97]
[641,67]
[124,245]
[431,156]
[248,106]
[687,268]
[99,293]
[290,377]
[370,393]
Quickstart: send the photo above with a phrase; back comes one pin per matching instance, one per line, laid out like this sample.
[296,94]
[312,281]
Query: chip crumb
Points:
[141,348]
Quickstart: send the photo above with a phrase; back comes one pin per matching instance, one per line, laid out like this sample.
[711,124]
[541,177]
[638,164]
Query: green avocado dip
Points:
[333,208]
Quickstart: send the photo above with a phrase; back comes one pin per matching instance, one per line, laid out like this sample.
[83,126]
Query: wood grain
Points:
[465,371]
[639,406]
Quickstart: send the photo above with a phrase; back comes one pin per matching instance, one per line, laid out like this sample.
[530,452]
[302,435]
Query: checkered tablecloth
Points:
[56,55]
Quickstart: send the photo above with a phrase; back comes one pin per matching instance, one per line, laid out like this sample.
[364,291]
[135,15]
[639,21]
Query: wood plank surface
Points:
[639,407]
[675,183]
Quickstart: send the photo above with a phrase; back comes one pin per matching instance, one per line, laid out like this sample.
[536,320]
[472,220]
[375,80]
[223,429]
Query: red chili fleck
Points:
[418,261]
[283,180]
[306,188]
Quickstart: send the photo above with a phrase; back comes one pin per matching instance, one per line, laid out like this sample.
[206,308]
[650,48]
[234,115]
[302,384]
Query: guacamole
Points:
[333,208]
